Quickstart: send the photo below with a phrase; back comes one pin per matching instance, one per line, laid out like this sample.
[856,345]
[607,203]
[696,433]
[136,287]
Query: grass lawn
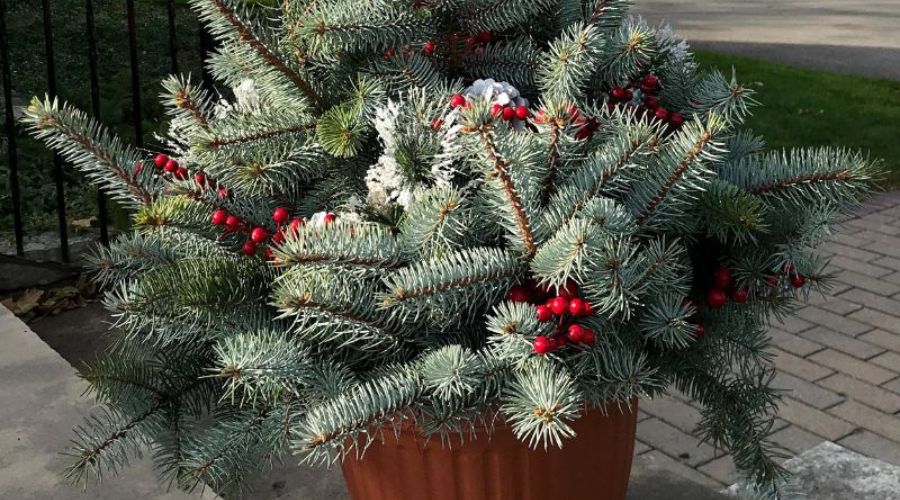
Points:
[802,107]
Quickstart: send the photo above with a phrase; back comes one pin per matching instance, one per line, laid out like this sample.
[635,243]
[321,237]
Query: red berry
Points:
[280,215]
[259,235]
[629,95]
[522,113]
[457,101]
[577,307]
[588,337]
[161,160]
[200,179]
[329,218]
[138,166]
[651,81]
[618,93]
[542,344]
[390,53]
[569,290]
[677,120]
[797,281]
[700,330]
[560,342]
[232,223]
[249,248]
[722,278]
[559,305]
[573,111]
[436,124]
[518,294]
[651,102]
[485,37]
[278,238]
[588,309]
[575,332]
[509,114]
[171,166]
[716,298]
[647,90]
[296,223]
[662,114]
[773,281]
[268,254]
[223,192]
[428,48]
[496,110]
[543,313]
[219,217]
[181,173]
[471,40]
[740,295]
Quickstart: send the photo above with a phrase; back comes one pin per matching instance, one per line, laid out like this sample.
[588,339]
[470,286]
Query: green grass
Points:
[802,107]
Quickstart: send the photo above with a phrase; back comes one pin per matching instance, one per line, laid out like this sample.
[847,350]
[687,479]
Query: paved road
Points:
[851,36]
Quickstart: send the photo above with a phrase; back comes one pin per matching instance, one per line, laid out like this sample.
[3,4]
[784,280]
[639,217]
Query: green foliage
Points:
[384,300]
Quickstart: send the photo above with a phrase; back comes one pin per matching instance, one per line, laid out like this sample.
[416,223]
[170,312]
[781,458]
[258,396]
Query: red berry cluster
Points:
[722,287]
[510,112]
[479,39]
[796,279]
[649,86]
[586,125]
[171,169]
[259,235]
[565,307]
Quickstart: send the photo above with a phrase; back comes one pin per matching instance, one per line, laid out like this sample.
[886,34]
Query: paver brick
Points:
[794,343]
[876,222]
[673,442]
[814,420]
[872,300]
[800,367]
[871,395]
[795,439]
[859,266]
[843,343]
[852,366]
[658,460]
[877,319]
[885,424]
[853,251]
[673,411]
[888,262]
[883,338]
[834,321]
[793,324]
[868,283]
[889,246]
[889,360]
[640,447]
[874,446]
[721,469]
[834,304]
[807,392]
[893,385]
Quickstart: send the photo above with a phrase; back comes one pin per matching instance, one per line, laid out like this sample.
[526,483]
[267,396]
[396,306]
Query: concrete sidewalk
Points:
[41,401]
[860,37]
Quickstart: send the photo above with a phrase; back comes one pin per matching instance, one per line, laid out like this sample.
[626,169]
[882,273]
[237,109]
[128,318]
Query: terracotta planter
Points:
[594,465]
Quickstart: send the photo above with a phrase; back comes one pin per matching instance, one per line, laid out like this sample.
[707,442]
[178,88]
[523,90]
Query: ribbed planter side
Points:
[594,465]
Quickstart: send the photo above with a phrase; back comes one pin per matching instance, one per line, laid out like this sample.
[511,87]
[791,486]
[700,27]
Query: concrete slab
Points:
[41,401]
[832,472]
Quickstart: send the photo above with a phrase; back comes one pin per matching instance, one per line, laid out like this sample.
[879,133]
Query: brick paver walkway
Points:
[838,360]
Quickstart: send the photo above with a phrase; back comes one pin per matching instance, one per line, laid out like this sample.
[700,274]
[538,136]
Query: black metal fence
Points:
[91,58]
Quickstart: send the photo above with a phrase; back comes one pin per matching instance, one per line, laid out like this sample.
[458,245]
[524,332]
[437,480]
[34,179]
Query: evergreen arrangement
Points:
[444,212]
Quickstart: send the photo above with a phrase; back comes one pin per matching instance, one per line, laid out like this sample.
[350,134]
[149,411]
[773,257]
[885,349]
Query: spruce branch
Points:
[225,23]
[93,149]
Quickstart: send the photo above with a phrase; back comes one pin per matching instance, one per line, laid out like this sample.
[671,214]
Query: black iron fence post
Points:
[135,76]
[57,161]
[95,106]
[10,126]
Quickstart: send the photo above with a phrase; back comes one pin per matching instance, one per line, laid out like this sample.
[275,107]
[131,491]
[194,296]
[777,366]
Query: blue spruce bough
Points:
[627,176]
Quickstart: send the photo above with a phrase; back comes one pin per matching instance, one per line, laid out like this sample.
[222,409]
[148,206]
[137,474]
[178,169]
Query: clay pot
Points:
[594,465]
